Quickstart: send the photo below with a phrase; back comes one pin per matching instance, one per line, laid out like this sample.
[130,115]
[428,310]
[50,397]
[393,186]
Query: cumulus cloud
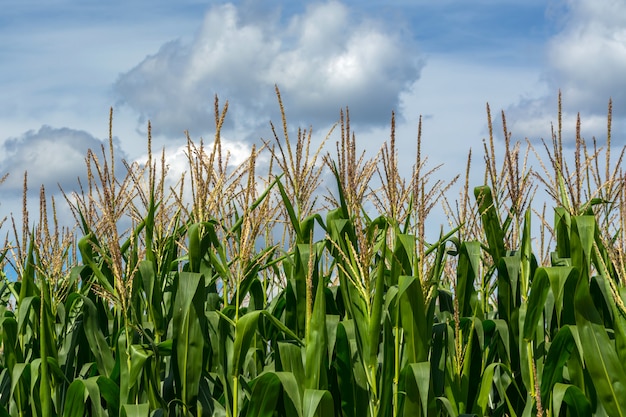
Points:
[322,60]
[177,158]
[51,156]
[586,60]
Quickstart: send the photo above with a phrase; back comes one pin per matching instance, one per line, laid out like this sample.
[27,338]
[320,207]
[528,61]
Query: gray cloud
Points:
[322,60]
[51,156]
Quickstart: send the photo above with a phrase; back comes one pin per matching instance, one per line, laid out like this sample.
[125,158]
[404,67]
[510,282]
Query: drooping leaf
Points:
[266,390]
[577,404]
[317,403]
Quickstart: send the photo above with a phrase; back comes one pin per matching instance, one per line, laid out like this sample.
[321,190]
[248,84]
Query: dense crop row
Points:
[242,295]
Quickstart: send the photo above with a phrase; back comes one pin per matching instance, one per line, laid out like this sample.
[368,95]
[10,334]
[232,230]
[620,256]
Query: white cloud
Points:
[177,159]
[322,60]
[586,60]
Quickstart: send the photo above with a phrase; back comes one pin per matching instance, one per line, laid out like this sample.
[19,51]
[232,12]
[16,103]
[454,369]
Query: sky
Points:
[66,62]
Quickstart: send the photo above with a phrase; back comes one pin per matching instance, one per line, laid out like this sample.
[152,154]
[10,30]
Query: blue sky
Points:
[64,63]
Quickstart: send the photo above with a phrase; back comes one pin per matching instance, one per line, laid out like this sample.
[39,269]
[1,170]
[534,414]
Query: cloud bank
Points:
[322,60]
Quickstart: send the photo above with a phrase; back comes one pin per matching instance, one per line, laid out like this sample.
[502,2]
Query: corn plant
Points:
[247,292]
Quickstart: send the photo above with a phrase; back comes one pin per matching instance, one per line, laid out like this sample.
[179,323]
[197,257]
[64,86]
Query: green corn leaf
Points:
[472,365]
[417,389]
[47,348]
[601,360]
[267,386]
[560,351]
[387,399]
[353,294]
[413,319]
[251,275]
[86,247]
[188,328]
[122,366]
[528,263]
[97,342]
[28,287]
[563,223]
[582,239]
[377,306]
[291,361]
[20,379]
[280,326]
[504,385]
[536,302]
[93,391]
[138,357]
[256,292]
[56,370]
[245,329]
[318,403]
[149,224]
[292,397]
[266,390]
[135,410]
[467,271]
[75,399]
[491,222]
[195,251]
[403,256]
[317,343]
[343,206]
[153,293]
[486,384]
[563,191]
[563,280]
[307,226]
[448,407]
[503,331]
[509,299]
[577,404]
[26,312]
[206,402]
[221,334]
[332,321]
[343,366]
[110,392]
[295,222]
[10,342]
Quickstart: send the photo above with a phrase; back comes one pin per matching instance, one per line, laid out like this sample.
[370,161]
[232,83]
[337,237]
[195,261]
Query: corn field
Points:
[234,293]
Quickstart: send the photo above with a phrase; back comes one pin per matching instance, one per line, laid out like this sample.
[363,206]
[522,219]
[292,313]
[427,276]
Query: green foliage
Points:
[198,312]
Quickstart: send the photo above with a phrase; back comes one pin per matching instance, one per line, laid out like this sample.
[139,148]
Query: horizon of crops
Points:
[240,293]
